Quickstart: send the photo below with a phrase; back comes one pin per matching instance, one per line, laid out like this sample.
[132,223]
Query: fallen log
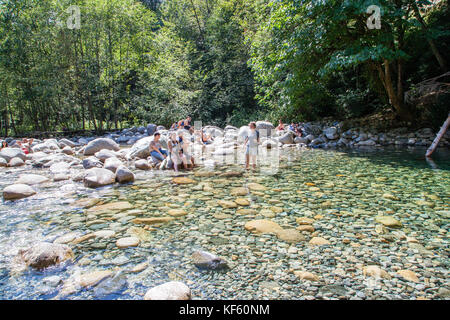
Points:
[438,137]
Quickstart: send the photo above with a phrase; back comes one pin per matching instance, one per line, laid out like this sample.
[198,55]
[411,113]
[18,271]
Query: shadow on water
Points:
[403,157]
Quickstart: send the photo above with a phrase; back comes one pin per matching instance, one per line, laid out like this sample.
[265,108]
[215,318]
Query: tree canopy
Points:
[132,62]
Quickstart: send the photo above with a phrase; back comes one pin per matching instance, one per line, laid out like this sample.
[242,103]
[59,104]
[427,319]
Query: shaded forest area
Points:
[221,61]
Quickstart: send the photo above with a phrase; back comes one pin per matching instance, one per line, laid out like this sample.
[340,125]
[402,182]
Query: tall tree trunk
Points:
[395,98]
[434,49]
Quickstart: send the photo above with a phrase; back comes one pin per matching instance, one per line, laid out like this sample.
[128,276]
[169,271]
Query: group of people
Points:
[183,124]
[178,146]
[296,128]
[24,145]
[178,152]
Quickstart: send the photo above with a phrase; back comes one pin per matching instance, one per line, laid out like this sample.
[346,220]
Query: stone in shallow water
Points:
[290,235]
[408,275]
[150,221]
[104,234]
[262,226]
[388,221]
[140,267]
[182,180]
[267,213]
[173,290]
[207,260]
[375,272]
[239,191]
[110,207]
[17,191]
[305,275]
[256,187]
[31,179]
[98,177]
[307,228]
[127,242]
[227,204]
[242,202]
[93,278]
[44,254]
[319,241]
[66,238]
[305,221]
[176,212]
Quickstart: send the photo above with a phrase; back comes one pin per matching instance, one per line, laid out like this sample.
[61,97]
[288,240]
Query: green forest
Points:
[129,62]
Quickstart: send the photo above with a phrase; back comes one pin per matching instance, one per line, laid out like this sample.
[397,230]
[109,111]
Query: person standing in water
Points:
[251,145]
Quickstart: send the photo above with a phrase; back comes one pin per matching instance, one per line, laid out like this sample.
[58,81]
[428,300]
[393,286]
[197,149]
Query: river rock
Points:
[227,204]
[173,290]
[16,162]
[408,275]
[388,221]
[99,144]
[331,133]
[44,254]
[182,180]
[104,154]
[290,235]
[92,162]
[375,272]
[127,242]
[319,241]
[305,275]
[10,153]
[262,226]
[207,260]
[141,149]
[142,165]
[93,278]
[31,179]
[98,177]
[67,143]
[17,191]
[287,138]
[112,164]
[3,163]
[124,175]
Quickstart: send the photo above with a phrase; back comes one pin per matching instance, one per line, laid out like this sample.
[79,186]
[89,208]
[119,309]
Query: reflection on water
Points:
[342,191]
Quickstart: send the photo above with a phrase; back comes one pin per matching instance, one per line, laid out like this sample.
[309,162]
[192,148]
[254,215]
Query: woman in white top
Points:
[251,145]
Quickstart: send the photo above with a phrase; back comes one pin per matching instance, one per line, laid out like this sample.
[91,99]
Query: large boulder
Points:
[3,163]
[17,191]
[67,143]
[287,138]
[331,133]
[141,149]
[92,162]
[44,255]
[151,129]
[104,154]
[16,162]
[301,140]
[173,290]
[47,145]
[142,165]
[265,128]
[124,175]
[31,179]
[98,177]
[99,144]
[68,150]
[9,153]
[112,164]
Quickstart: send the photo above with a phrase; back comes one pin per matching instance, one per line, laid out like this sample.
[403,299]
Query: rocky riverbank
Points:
[326,226]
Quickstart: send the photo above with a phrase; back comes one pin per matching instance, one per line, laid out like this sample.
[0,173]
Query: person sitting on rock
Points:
[174,126]
[251,144]
[176,155]
[156,151]
[4,145]
[206,139]
[280,126]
